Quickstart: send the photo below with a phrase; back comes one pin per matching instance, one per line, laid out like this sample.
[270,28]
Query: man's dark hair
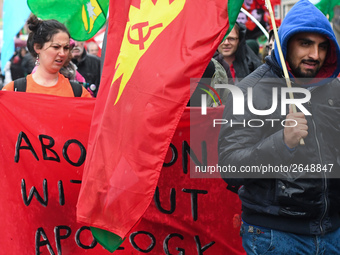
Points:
[271,34]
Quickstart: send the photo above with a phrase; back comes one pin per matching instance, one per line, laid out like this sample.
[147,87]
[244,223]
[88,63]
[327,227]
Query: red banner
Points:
[43,149]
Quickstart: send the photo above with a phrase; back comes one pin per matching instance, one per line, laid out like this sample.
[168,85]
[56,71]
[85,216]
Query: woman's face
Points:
[54,53]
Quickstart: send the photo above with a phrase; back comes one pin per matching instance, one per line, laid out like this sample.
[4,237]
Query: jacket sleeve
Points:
[243,146]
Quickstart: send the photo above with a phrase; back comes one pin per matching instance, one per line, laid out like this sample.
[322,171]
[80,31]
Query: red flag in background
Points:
[154,47]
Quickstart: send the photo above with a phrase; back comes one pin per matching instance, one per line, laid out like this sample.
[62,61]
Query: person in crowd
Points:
[237,54]
[242,18]
[2,78]
[49,44]
[69,70]
[247,4]
[254,45]
[268,46]
[13,69]
[92,48]
[87,65]
[253,30]
[214,74]
[289,210]
[28,64]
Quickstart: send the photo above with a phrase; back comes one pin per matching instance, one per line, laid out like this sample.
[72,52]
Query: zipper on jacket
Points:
[324,173]
[324,179]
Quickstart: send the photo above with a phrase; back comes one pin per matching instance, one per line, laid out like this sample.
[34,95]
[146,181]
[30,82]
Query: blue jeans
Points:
[258,240]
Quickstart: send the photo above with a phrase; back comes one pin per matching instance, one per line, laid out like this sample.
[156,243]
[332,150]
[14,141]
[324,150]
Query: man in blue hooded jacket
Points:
[290,192]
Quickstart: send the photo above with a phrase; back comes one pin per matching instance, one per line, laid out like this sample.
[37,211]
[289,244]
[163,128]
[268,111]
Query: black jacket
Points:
[301,202]
[89,67]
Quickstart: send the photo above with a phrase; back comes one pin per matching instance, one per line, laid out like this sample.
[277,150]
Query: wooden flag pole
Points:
[283,62]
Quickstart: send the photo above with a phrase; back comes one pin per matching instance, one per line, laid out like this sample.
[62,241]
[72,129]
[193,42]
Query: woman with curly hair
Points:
[49,44]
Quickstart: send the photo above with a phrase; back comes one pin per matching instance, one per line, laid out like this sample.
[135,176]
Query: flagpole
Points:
[264,31]
[283,62]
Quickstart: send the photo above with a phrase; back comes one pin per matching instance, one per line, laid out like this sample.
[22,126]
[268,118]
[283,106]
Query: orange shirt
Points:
[61,88]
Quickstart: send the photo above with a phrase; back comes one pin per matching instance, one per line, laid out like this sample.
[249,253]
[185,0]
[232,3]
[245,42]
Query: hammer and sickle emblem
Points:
[141,38]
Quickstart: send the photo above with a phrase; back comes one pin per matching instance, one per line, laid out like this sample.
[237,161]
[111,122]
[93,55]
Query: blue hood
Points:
[305,17]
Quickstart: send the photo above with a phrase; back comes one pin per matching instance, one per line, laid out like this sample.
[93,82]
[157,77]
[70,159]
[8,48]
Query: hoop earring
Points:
[37,61]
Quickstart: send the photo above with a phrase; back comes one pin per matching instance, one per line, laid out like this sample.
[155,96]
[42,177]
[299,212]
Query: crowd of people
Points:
[239,54]
[290,208]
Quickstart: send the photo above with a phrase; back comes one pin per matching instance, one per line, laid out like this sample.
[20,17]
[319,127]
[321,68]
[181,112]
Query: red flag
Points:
[154,47]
